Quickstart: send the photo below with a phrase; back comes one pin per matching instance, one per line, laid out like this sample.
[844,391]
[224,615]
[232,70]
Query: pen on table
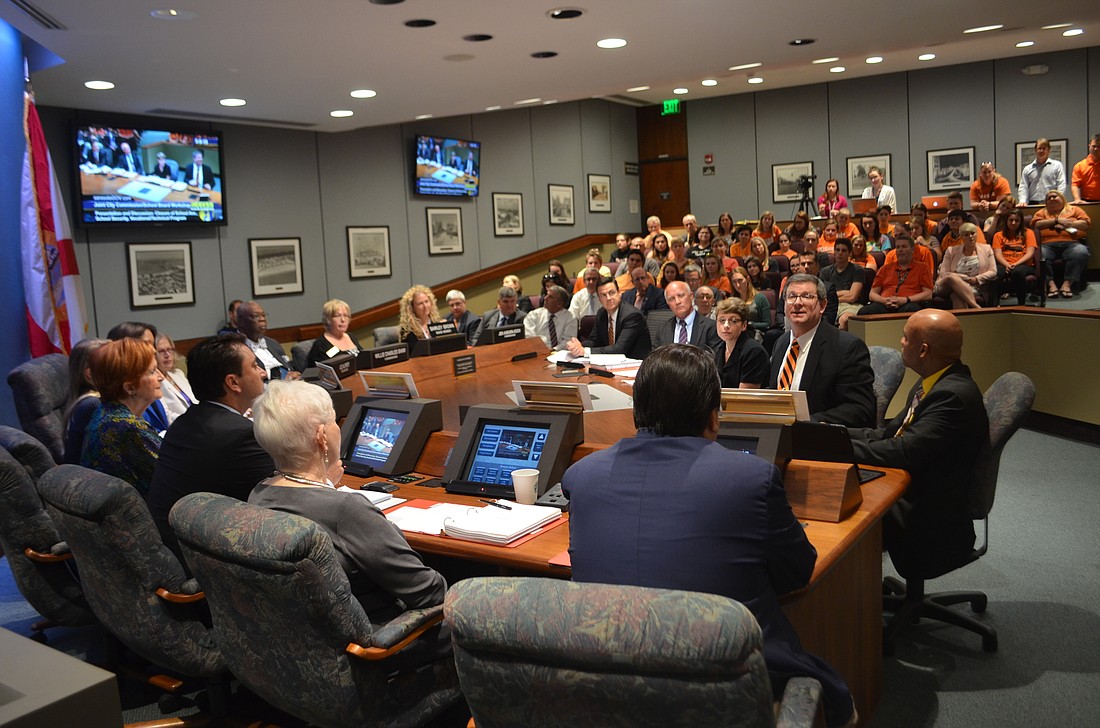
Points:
[494,503]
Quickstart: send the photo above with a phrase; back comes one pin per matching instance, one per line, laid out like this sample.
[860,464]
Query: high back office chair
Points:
[654,320]
[546,652]
[384,335]
[29,452]
[289,626]
[40,387]
[134,584]
[299,355]
[1007,402]
[889,370]
[36,553]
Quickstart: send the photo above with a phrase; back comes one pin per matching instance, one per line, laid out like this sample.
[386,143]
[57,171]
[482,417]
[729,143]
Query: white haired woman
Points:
[336,316]
[295,423]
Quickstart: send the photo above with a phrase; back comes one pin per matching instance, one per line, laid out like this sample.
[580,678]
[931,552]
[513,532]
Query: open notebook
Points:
[497,525]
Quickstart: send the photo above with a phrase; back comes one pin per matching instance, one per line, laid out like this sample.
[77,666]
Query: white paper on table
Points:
[382,500]
[426,520]
[607,360]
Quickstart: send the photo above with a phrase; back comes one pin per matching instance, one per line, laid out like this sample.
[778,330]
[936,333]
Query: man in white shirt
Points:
[585,301]
[551,323]
[686,326]
[1041,176]
[879,190]
[252,322]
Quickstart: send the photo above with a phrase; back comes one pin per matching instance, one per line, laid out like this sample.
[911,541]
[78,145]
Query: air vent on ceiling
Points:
[39,16]
[232,119]
[628,100]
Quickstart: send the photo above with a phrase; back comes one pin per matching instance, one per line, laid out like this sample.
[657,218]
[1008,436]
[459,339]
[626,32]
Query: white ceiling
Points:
[295,61]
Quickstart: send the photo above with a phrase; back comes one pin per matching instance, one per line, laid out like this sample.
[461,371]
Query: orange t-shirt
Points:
[722,283]
[1014,248]
[921,254]
[1086,178]
[890,281]
[850,232]
[993,192]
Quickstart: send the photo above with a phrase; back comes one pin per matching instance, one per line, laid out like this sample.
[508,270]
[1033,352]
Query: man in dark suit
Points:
[731,531]
[686,325]
[644,296]
[619,329]
[940,440]
[831,366]
[96,154]
[128,160]
[464,321]
[210,447]
[505,314]
[199,174]
[252,322]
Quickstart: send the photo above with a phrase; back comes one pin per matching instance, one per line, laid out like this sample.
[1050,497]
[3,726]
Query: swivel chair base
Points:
[909,604]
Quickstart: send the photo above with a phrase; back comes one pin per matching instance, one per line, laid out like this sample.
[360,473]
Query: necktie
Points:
[682,337]
[198,175]
[786,376]
[610,331]
[553,331]
[917,396]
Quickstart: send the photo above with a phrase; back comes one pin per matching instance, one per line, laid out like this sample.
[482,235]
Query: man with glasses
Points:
[1086,174]
[644,296]
[252,322]
[901,286]
[686,325]
[210,447]
[989,189]
[831,366]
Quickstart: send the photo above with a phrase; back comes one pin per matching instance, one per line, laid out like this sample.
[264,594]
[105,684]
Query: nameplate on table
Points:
[383,355]
[464,364]
[441,328]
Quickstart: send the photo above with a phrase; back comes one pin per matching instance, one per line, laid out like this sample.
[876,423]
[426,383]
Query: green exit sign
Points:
[670,106]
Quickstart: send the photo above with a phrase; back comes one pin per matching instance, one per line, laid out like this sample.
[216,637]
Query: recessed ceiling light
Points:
[341,113]
[565,13]
[745,66]
[680,90]
[802,41]
[544,54]
[521,102]
[1056,26]
[709,82]
[174,14]
[477,37]
[99,85]
[984,28]
[1025,44]
[837,69]
[232,102]
[756,79]
[1072,32]
[421,117]
[363,93]
[611,43]
[419,23]
[636,89]
[387,2]
[492,108]
[926,57]
[827,60]
[875,59]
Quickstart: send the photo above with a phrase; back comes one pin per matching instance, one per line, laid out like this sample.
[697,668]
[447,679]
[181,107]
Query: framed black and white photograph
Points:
[561,204]
[368,251]
[859,169]
[507,214]
[950,169]
[785,180]
[444,230]
[160,274]
[1025,155]
[276,266]
[599,193]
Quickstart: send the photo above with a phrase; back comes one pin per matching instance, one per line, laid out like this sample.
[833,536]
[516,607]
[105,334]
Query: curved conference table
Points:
[838,615]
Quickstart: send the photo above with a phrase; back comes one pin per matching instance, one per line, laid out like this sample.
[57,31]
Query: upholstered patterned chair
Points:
[889,371]
[36,553]
[1007,402]
[134,584]
[31,454]
[40,387]
[545,652]
[289,626]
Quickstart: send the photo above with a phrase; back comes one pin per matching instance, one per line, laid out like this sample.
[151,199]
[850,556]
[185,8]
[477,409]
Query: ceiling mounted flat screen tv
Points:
[149,175]
[447,167]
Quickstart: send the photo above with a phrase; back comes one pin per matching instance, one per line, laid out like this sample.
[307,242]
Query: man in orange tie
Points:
[831,366]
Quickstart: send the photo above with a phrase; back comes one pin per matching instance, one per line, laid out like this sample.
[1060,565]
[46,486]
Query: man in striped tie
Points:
[831,366]
[939,439]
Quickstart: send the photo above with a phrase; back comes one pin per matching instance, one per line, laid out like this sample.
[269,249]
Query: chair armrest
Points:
[801,698]
[189,592]
[398,633]
[58,552]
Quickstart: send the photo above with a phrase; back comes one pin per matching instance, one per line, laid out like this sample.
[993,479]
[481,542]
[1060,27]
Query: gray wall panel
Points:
[506,167]
[724,127]
[792,125]
[555,131]
[624,148]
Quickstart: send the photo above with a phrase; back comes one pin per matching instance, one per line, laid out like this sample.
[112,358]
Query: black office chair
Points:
[1007,402]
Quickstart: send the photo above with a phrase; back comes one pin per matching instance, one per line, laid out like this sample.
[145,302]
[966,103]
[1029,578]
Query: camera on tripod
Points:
[806,182]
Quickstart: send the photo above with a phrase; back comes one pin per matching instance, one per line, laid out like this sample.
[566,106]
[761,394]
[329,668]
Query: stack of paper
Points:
[500,526]
[382,500]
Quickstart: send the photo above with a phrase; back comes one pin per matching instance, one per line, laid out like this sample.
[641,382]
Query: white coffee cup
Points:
[525,481]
